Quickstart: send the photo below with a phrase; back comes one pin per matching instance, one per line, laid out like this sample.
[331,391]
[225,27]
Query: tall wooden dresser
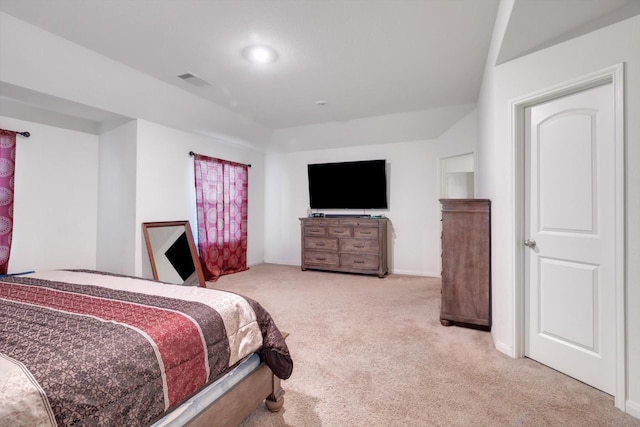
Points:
[343,244]
[466,263]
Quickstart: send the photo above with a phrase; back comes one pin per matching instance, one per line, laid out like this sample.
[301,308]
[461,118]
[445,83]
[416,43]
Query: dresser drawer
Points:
[321,258]
[343,231]
[360,262]
[321,243]
[365,232]
[345,244]
[315,230]
[366,246]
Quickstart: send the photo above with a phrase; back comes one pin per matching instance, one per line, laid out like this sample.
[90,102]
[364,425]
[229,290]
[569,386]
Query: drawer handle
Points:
[358,261]
[339,232]
[314,230]
[365,232]
[320,259]
[359,246]
[320,244]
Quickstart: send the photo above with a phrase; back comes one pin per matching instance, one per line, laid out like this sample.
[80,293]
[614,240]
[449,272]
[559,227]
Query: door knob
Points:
[530,243]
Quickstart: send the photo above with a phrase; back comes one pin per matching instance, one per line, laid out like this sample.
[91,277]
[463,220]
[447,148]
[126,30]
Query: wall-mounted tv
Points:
[348,185]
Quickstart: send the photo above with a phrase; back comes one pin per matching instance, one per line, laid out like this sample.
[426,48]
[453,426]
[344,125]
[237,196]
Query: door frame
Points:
[615,76]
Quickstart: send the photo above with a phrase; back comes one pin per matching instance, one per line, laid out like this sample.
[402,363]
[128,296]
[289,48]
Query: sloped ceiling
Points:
[364,58]
[538,24]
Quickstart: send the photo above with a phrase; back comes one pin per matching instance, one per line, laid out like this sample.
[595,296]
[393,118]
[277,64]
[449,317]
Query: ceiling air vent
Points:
[194,80]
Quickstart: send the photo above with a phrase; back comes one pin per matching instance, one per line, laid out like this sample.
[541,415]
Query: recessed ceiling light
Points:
[260,54]
[321,102]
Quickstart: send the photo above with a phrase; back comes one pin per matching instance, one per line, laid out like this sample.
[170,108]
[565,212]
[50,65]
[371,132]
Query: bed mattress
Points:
[89,347]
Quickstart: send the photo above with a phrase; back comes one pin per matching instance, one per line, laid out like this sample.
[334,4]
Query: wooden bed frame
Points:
[241,400]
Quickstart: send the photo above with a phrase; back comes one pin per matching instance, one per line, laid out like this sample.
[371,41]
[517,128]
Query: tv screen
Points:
[348,185]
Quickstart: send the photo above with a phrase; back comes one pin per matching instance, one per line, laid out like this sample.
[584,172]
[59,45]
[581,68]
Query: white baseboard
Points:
[504,348]
[281,262]
[414,273]
[632,408]
[405,272]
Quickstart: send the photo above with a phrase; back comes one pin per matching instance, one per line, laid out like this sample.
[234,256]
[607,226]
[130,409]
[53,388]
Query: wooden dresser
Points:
[466,262]
[351,245]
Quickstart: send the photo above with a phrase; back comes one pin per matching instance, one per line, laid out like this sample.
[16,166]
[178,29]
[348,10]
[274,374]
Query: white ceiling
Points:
[363,57]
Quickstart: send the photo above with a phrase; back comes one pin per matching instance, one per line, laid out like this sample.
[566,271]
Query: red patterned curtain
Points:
[221,203]
[7,167]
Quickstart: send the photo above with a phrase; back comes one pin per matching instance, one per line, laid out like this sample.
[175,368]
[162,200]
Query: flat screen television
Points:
[348,185]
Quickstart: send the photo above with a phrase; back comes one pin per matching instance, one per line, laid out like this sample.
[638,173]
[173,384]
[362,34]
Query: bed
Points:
[91,348]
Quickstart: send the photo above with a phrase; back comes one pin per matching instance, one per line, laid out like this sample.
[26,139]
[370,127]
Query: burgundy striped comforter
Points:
[116,351]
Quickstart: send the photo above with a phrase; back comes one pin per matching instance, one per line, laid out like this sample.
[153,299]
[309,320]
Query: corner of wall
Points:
[116,199]
[503,347]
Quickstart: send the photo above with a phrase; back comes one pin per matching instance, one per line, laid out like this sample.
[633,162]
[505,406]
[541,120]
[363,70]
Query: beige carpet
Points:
[372,352]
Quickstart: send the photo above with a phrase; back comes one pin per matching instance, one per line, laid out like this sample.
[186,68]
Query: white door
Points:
[570,231]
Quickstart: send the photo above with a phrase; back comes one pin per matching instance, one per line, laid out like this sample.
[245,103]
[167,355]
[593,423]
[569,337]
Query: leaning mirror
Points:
[172,253]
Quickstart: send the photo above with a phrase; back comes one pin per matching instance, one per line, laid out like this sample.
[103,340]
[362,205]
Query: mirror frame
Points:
[192,247]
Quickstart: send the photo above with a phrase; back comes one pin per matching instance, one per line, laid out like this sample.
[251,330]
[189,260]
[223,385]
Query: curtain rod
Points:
[25,134]
[191,153]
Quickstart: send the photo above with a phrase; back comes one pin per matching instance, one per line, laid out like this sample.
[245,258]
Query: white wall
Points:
[414,209]
[391,128]
[165,189]
[412,195]
[533,73]
[487,174]
[55,210]
[66,217]
[456,150]
[461,138]
[117,200]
